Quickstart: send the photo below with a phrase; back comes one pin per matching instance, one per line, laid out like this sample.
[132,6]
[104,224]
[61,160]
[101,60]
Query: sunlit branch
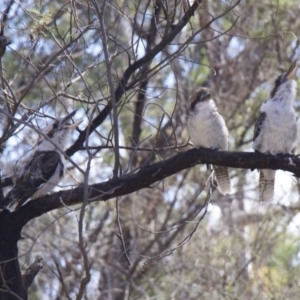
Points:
[154,173]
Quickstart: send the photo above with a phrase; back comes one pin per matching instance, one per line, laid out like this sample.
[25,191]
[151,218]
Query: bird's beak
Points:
[75,125]
[65,120]
[291,73]
[68,117]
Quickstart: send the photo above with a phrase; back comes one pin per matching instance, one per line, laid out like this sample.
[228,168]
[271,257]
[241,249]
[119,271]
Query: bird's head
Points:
[201,95]
[60,130]
[284,78]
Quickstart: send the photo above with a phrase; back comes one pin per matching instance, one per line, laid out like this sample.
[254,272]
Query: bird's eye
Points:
[55,125]
[198,98]
[51,133]
[279,79]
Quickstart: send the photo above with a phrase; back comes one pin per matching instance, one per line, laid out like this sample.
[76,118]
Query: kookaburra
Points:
[207,129]
[45,168]
[276,128]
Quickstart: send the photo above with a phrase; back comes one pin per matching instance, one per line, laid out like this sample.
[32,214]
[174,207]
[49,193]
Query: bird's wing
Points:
[216,110]
[259,124]
[35,173]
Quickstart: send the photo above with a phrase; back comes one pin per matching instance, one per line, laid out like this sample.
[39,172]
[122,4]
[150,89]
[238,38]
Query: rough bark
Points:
[11,281]
[11,223]
[148,175]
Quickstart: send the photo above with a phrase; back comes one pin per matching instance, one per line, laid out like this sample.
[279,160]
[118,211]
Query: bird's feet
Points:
[4,210]
[284,155]
[214,148]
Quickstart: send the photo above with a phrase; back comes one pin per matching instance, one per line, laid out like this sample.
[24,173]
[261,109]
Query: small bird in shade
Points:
[45,168]
[275,131]
[207,129]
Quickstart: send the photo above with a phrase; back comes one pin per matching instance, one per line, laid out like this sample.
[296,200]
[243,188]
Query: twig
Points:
[187,238]
[85,279]
[60,277]
[120,236]
[7,289]
[108,60]
[121,88]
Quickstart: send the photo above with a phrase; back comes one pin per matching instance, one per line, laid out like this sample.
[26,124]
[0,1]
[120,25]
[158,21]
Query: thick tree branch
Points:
[147,176]
[11,281]
[4,16]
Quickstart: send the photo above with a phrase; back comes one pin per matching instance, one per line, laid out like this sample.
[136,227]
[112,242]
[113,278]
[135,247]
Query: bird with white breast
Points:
[275,130]
[208,129]
[45,168]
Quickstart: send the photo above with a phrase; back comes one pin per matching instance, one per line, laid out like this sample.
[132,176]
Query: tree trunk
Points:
[11,280]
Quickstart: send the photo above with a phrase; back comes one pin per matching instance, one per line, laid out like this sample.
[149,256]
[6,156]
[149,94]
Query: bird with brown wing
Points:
[45,168]
[275,131]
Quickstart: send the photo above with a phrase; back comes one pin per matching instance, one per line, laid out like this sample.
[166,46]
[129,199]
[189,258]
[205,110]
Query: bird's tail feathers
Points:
[266,185]
[223,179]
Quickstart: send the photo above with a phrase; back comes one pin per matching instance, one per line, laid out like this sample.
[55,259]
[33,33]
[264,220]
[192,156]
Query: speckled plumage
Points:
[276,128]
[45,168]
[207,129]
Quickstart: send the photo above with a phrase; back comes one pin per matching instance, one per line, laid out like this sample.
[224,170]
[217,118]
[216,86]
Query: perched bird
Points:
[207,129]
[45,168]
[276,128]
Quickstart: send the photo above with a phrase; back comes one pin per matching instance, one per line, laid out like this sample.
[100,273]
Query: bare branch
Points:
[121,88]
[32,271]
[111,86]
[120,235]
[149,175]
